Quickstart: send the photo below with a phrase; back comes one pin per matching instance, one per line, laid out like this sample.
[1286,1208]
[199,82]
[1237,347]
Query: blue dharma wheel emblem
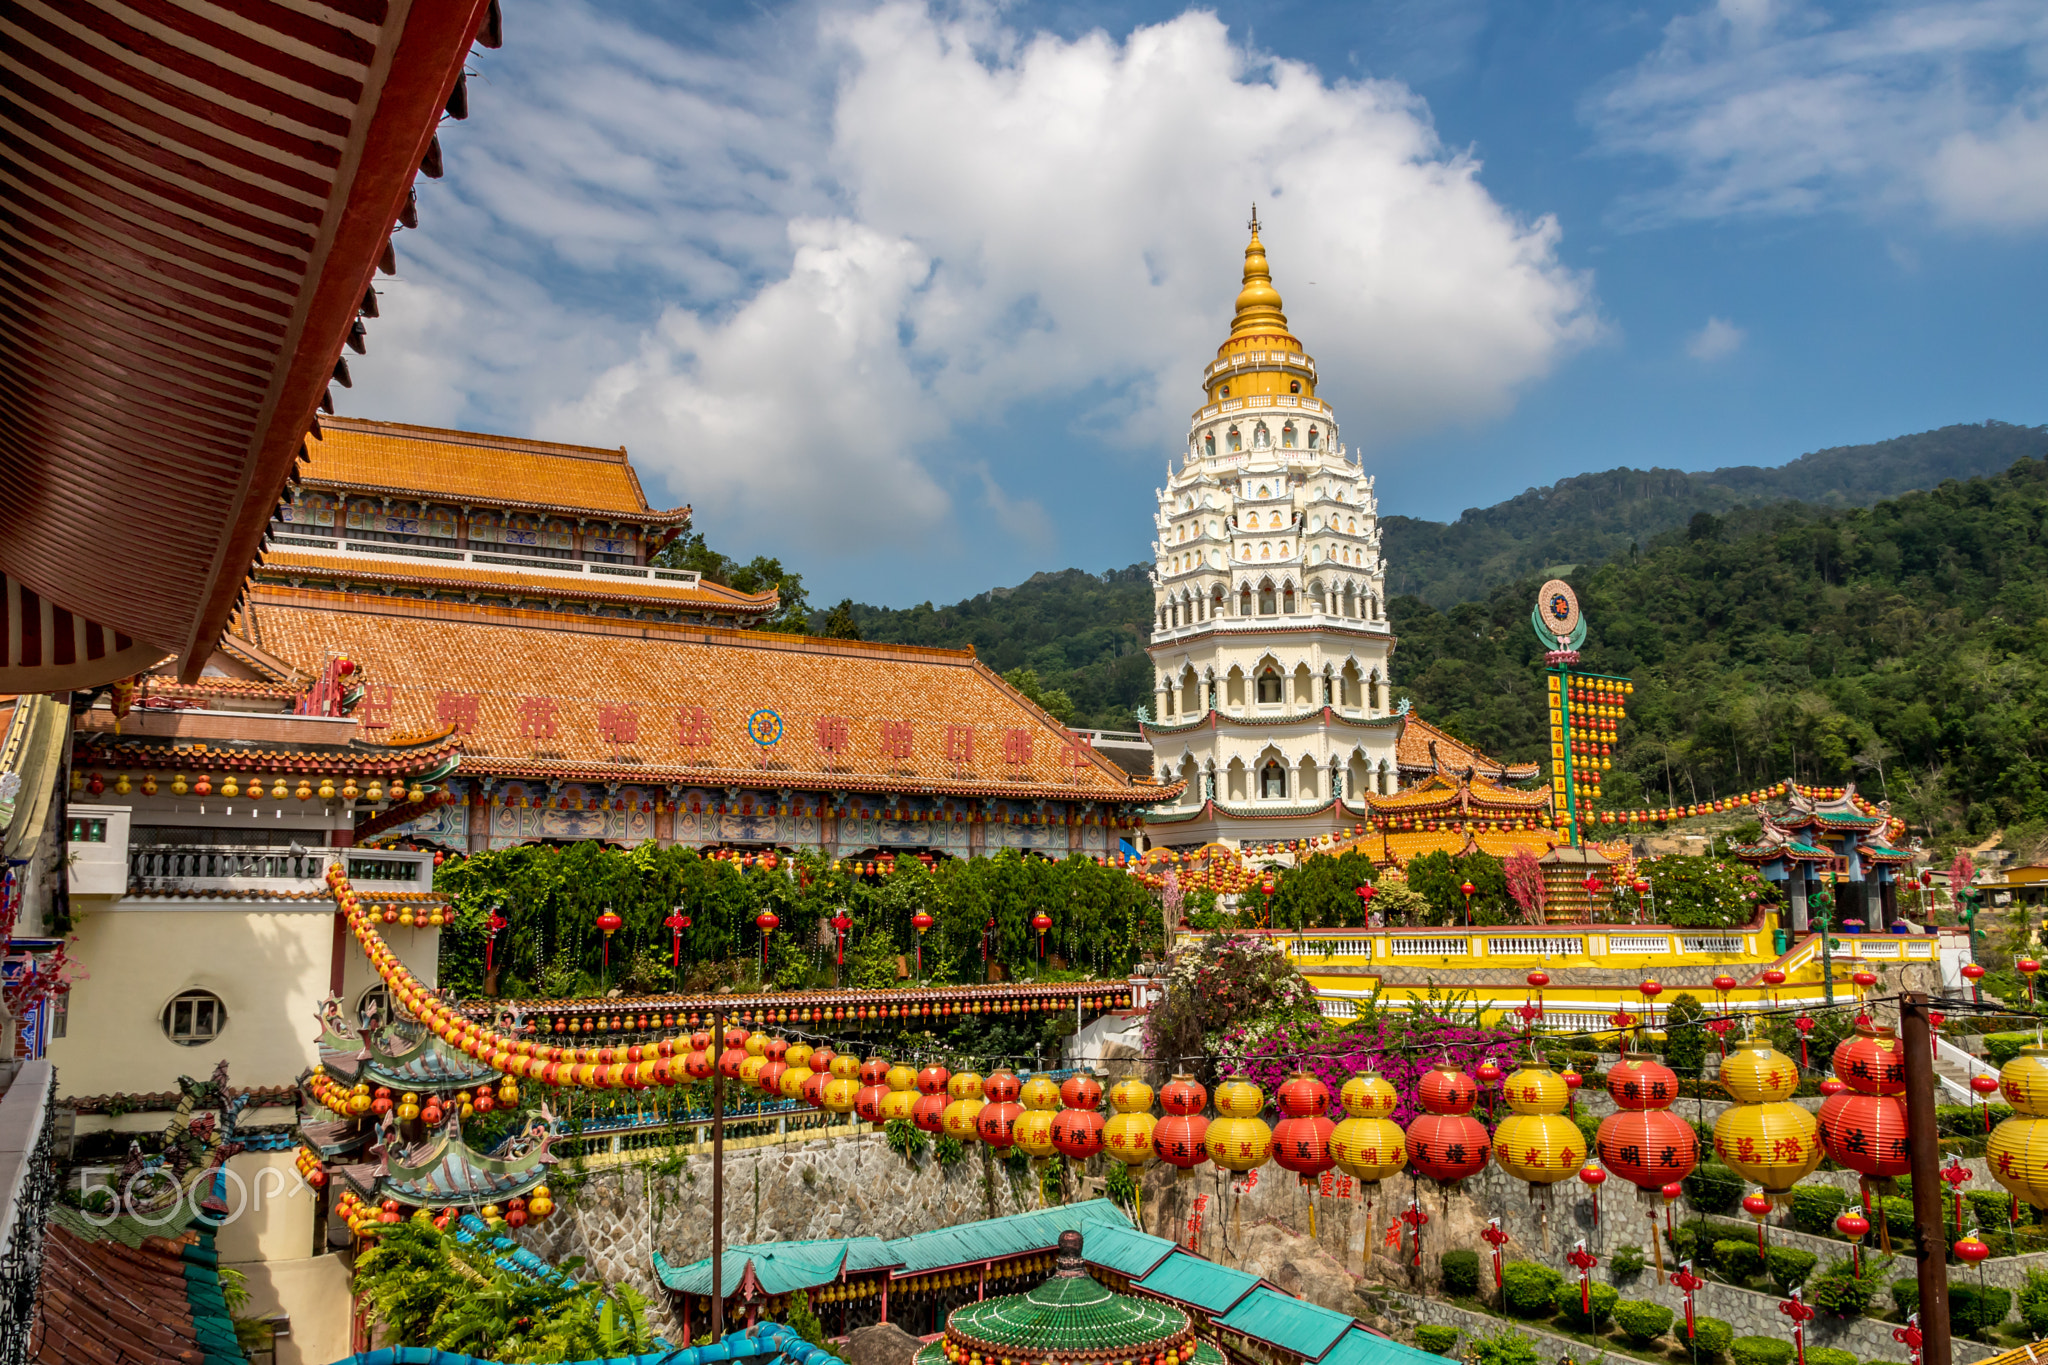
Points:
[1559,607]
[764,727]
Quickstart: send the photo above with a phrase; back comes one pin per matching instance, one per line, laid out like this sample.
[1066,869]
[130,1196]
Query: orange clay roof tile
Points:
[546,686]
[464,466]
[1412,751]
[700,596]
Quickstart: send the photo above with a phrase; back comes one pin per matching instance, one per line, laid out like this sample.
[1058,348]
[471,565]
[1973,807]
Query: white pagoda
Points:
[1270,640]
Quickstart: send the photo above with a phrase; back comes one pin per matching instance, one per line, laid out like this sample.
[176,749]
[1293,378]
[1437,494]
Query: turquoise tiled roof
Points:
[783,1267]
[1126,1251]
[1360,1347]
[1203,1284]
[1292,1324]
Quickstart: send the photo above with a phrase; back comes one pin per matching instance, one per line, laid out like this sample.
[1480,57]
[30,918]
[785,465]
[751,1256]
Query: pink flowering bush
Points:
[1224,984]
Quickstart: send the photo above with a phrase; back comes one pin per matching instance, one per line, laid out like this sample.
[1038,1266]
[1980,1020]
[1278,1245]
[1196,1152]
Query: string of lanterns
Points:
[302,787]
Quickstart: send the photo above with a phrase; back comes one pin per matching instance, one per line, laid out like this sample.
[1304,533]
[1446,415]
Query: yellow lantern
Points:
[2017,1150]
[178,784]
[2023,1082]
[1033,1129]
[964,1085]
[1765,1137]
[902,1097]
[279,791]
[846,1067]
[1128,1134]
[750,1069]
[792,1081]
[1368,1144]
[798,1058]
[1239,1140]
[1536,1142]
[962,1116]
[349,790]
[840,1092]
[326,789]
[374,792]
[228,786]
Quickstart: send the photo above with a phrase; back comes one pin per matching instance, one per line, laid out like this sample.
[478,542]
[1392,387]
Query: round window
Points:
[195,1017]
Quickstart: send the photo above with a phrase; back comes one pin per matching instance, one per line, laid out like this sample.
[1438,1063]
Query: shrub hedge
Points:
[1461,1273]
[1741,1262]
[1642,1322]
[1526,1288]
[1760,1351]
[1829,1355]
[1789,1267]
[1566,1300]
[1714,1188]
[1711,1336]
[1438,1339]
[2034,1303]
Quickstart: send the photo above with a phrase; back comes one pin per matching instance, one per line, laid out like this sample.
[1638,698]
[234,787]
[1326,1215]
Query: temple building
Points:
[1843,842]
[387,510]
[1270,643]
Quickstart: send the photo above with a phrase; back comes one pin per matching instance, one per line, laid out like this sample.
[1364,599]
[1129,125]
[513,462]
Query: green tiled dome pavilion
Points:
[1069,1318]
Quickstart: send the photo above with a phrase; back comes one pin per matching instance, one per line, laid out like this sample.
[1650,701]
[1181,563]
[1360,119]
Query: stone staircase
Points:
[1393,1309]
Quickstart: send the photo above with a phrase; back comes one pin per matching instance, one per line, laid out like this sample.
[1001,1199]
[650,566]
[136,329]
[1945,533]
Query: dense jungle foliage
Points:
[1899,645]
[1103,920]
[1580,522]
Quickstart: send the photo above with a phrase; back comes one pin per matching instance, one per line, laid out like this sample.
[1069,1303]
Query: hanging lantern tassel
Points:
[1496,1237]
[1873,1209]
[1651,1199]
[1795,1308]
[1686,1282]
[1583,1261]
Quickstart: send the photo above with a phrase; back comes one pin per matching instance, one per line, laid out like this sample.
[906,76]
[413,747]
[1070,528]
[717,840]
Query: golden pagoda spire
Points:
[1258,303]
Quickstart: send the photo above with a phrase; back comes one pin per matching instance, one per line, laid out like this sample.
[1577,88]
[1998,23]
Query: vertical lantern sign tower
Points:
[1585,708]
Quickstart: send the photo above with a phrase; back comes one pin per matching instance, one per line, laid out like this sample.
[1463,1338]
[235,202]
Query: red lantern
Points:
[1971,1250]
[1447,1143]
[1301,1140]
[1987,1086]
[1864,1128]
[1594,1178]
[999,1116]
[1973,973]
[1181,1138]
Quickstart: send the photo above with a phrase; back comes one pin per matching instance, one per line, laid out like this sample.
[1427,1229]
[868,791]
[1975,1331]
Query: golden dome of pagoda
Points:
[1247,363]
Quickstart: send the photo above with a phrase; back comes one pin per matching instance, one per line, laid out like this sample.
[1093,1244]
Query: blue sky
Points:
[916,297]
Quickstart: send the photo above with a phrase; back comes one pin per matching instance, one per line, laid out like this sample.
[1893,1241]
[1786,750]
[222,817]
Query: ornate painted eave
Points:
[443,1170]
[1323,715]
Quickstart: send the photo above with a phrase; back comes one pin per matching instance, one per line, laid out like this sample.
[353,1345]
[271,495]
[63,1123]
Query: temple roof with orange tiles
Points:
[392,459]
[534,695]
[1425,748]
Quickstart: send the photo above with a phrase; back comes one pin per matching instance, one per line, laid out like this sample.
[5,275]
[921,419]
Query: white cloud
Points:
[1718,339]
[789,274]
[1779,107]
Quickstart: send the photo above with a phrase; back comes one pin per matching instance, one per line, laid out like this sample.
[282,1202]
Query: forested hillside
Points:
[1903,645]
[1077,632]
[1586,520]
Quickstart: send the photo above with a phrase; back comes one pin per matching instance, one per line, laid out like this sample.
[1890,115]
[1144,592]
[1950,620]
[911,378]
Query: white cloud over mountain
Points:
[794,268]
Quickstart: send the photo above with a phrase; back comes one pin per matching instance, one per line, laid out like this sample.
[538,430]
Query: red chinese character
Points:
[378,699]
[458,709]
[897,739]
[537,717]
[833,734]
[1016,746]
[693,727]
[618,725]
[1077,751]
[960,744]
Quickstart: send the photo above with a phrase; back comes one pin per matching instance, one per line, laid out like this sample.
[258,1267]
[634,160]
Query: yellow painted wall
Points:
[270,1210]
[313,1291]
[270,967]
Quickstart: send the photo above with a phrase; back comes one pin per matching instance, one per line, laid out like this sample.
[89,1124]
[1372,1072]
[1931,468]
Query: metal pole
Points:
[1916,1037]
[718,1181]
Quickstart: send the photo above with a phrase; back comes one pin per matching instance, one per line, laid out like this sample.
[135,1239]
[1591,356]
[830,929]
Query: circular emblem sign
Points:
[764,727]
[1558,607]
